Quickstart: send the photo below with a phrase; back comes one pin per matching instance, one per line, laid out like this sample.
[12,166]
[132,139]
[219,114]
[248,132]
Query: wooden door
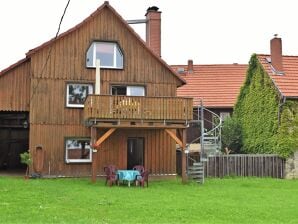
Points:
[135,152]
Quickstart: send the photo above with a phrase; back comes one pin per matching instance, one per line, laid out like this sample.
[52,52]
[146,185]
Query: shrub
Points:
[232,135]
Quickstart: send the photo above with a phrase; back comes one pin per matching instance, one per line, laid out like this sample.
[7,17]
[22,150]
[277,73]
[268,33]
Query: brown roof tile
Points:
[217,85]
[286,83]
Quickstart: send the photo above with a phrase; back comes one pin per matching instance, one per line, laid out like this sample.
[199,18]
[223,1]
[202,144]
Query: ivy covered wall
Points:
[256,111]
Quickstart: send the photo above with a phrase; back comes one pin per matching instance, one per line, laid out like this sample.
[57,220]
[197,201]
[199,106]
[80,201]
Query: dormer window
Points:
[109,54]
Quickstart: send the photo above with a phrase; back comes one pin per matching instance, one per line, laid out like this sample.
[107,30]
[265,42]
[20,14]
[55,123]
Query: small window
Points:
[76,94]
[78,150]
[135,91]
[224,115]
[128,90]
[108,53]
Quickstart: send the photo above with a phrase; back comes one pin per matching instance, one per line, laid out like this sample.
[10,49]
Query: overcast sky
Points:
[207,31]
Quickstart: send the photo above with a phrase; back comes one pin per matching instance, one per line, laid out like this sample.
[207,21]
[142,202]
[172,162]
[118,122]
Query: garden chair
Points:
[111,176]
[144,178]
[140,168]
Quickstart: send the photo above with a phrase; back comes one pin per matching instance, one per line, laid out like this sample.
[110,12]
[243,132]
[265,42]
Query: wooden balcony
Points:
[108,110]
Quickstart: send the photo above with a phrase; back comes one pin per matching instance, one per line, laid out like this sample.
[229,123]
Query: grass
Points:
[230,200]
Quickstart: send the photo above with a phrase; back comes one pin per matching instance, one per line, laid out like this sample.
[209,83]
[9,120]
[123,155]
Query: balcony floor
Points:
[150,124]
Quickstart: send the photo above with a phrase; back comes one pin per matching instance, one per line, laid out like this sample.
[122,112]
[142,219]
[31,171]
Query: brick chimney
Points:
[276,54]
[153,30]
[190,66]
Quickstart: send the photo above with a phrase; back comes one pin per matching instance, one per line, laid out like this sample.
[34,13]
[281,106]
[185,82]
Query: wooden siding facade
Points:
[42,82]
[15,88]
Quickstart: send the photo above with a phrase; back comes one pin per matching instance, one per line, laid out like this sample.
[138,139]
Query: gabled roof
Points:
[217,85]
[95,13]
[287,83]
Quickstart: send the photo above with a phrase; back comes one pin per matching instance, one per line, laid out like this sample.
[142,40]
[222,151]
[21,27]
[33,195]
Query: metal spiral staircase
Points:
[207,143]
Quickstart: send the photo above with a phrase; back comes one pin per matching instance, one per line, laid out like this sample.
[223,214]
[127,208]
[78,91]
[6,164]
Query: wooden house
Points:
[130,116]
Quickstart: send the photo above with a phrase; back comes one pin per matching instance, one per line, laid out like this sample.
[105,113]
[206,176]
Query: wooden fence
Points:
[245,165]
[258,165]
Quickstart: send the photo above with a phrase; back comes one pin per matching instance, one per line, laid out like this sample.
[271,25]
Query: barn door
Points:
[14,139]
[135,152]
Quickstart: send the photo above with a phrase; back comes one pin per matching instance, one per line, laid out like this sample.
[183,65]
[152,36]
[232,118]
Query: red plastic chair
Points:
[144,178]
[111,176]
[140,168]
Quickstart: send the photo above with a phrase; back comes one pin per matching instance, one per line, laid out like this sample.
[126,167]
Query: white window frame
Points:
[67,160]
[73,105]
[116,48]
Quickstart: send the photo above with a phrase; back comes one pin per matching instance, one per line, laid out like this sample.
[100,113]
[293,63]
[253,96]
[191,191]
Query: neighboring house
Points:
[216,85]
[48,101]
[267,107]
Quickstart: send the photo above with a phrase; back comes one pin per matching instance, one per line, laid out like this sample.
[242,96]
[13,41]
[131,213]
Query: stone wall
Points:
[291,169]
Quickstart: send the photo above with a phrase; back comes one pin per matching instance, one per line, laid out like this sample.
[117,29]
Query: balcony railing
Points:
[137,108]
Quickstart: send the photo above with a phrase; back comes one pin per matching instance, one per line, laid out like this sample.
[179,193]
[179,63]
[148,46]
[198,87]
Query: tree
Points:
[26,159]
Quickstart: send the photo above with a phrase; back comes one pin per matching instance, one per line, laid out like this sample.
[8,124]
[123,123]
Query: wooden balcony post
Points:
[183,156]
[182,144]
[94,155]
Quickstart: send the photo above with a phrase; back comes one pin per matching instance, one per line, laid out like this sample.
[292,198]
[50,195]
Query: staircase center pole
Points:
[201,115]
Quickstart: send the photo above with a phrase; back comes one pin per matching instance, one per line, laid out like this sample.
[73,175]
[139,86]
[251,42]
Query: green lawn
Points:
[230,200]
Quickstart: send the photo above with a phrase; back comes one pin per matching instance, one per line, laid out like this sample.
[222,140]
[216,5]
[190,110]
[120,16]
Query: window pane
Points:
[119,90]
[224,115]
[77,94]
[89,56]
[135,91]
[108,53]
[105,52]
[119,58]
[78,150]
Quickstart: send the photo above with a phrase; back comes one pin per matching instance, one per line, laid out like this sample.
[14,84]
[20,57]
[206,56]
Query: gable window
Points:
[128,90]
[108,53]
[77,150]
[76,94]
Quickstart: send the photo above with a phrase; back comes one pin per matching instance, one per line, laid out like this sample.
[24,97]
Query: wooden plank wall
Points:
[245,165]
[69,54]
[52,140]
[15,89]
[159,152]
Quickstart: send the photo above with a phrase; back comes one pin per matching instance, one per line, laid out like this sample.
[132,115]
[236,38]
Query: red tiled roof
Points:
[217,85]
[286,83]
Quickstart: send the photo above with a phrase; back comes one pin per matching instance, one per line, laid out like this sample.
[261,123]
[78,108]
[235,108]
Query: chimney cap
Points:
[153,8]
